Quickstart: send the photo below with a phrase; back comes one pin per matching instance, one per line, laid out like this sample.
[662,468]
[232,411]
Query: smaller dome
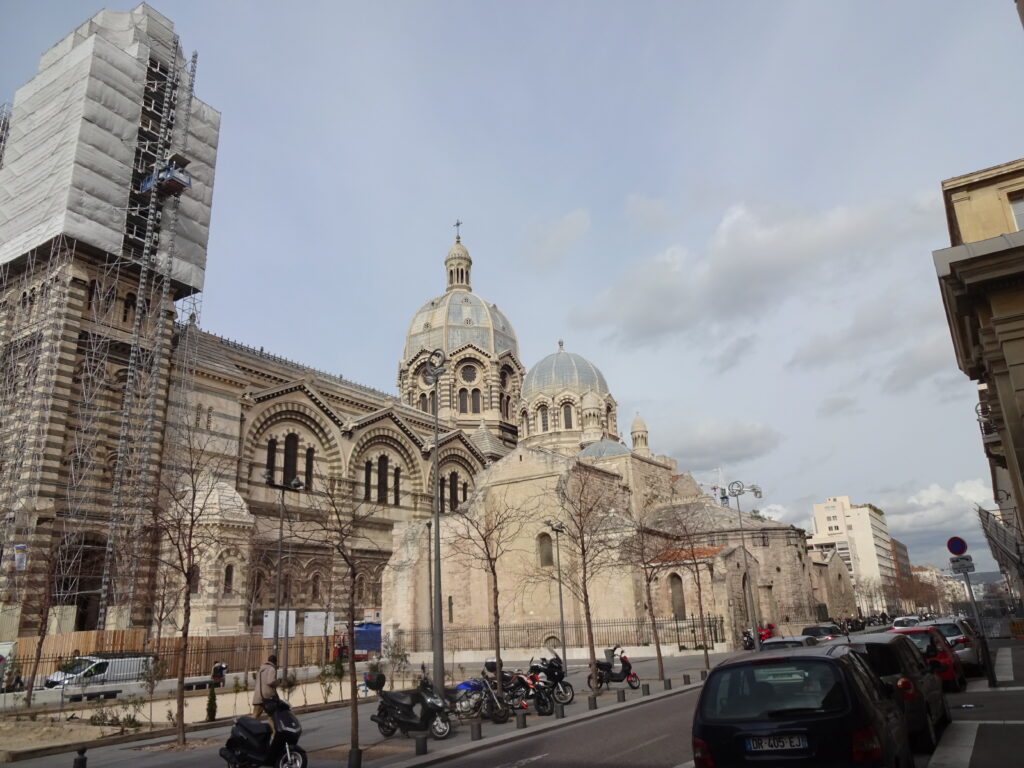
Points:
[638,424]
[458,250]
[563,370]
[602,448]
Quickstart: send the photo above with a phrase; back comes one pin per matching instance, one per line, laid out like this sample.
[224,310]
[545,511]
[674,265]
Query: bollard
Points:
[703,674]
[355,758]
[592,701]
[474,730]
[559,710]
[620,695]
[421,745]
[645,689]
[686,678]
[520,718]
[81,760]
[668,683]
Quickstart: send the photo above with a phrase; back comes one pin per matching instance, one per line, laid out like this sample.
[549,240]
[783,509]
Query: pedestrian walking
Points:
[265,695]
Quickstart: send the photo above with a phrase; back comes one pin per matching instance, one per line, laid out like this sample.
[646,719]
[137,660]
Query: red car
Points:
[936,648]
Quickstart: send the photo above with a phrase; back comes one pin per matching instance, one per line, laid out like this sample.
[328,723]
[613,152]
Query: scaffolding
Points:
[99,346]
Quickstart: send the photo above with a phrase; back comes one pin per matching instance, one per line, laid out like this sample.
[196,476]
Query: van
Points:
[101,668]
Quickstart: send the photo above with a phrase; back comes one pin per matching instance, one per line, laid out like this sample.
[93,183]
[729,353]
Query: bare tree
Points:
[690,529]
[42,600]
[195,475]
[484,530]
[340,522]
[588,499]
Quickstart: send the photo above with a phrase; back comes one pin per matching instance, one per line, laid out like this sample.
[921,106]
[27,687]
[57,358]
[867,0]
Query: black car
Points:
[912,683]
[805,707]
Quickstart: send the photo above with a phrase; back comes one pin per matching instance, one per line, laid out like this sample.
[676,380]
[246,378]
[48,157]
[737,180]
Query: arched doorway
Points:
[675,589]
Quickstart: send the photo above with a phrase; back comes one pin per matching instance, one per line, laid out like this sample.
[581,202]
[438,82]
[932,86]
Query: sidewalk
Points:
[988,723]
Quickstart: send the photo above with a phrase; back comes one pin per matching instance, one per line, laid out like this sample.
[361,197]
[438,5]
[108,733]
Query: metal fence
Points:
[684,633]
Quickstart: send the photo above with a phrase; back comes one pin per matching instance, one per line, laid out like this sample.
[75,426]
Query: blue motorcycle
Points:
[477,697]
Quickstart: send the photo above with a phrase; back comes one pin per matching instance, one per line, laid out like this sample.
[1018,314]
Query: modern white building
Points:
[860,536]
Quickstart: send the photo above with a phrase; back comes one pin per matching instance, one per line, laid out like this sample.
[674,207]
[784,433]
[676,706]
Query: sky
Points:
[728,207]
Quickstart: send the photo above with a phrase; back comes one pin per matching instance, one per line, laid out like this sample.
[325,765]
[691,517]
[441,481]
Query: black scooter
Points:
[553,672]
[252,743]
[420,709]
[607,674]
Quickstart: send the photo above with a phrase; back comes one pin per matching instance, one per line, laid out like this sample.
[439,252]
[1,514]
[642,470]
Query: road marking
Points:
[617,755]
[524,761]
[1004,666]
[685,765]
[957,745]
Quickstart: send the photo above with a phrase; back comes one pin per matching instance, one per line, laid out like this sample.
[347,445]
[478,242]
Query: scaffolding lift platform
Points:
[170,179]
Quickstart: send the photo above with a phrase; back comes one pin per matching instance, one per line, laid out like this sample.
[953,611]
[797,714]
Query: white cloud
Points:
[729,355]
[551,243]
[838,405]
[712,443]
[648,212]
[755,261]
[920,360]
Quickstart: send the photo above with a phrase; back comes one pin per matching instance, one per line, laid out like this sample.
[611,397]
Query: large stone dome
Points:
[561,371]
[460,317]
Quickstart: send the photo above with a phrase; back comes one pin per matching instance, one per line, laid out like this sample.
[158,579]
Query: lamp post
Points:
[294,485]
[558,528]
[432,376]
[430,575]
[737,489]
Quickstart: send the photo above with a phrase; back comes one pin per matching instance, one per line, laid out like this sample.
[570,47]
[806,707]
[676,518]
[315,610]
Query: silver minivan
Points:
[93,670]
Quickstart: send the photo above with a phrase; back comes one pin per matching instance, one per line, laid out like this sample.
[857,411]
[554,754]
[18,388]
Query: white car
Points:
[964,640]
[905,621]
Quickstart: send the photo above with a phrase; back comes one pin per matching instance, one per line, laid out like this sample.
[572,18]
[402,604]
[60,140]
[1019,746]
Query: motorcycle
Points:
[252,743]
[477,697]
[519,688]
[398,710]
[552,671]
[607,674]
[748,640]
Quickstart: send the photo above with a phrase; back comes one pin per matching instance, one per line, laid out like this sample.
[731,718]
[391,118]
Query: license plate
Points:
[775,743]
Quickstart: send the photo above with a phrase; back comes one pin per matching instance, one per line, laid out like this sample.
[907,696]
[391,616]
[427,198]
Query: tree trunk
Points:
[496,622]
[353,687]
[654,630]
[585,593]
[703,628]
[182,661]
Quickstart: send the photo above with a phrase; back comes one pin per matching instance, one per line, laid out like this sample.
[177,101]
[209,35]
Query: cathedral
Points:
[106,374]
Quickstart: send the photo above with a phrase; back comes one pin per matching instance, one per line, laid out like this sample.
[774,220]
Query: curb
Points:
[506,738]
[16,755]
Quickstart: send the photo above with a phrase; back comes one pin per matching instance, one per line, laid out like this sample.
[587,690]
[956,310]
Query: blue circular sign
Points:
[956,545]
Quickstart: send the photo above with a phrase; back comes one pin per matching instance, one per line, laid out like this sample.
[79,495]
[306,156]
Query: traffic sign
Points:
[956,545]
[962,564]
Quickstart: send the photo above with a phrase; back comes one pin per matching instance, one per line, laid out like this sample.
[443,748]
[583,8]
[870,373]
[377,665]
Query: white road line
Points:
[524,761]
[617,755]
[957,745]
[1004,666]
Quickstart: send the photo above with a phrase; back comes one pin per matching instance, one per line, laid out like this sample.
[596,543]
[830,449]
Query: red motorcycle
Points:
[607,674]
[765,632]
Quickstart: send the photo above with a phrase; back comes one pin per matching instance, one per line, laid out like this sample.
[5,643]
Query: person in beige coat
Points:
[266,688]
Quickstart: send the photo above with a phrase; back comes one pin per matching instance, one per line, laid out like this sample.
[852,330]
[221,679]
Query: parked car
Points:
[823,632]
[793,641]
[913,683]
[962,637]
[819,706]
[934,646]
[94,670]
[905,621]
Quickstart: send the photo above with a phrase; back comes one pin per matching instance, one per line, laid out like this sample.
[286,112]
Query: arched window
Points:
[229,579]
[397,488]
[291,457]
[453,487]
[271,458]
[675,588]
[544,556]
[433,401]
[543,413]
[310,455]
[465,489]
[286,589]
[209,417]
[382,480]
[463,401]
[257,590]
[524,423]
[367,481]
[314,587]
[567,416]
[476,401]
[423,401]
[193,579]
[129,308]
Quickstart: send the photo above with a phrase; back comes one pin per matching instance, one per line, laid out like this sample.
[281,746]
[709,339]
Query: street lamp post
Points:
[432,376]
[294,485]
[430,575]
[558,528]
[737,489]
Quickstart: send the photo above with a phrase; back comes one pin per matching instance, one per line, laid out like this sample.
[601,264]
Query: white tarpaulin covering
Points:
[68,163]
